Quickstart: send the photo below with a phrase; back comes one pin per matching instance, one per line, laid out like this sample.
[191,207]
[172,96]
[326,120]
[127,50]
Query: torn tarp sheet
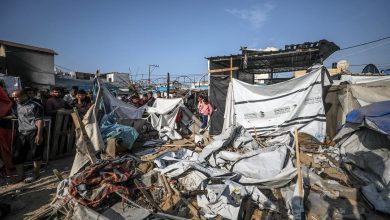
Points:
[225,199]
[122,109]
[365,144]
[93,132]
[274,110]
[110,129]
[271,166]
[163,116]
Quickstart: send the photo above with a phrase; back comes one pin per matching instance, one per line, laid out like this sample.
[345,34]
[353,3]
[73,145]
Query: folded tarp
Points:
[274,110]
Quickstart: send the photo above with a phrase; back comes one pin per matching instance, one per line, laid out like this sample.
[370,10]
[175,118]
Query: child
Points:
[206,111]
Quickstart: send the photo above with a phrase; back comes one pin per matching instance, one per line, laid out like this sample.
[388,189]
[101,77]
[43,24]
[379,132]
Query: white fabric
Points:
[163,117]
[93,132]
[356,79]
[225,199]
[163,106]
[277,109]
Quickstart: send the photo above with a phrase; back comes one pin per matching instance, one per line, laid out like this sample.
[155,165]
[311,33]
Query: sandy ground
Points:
[28,199]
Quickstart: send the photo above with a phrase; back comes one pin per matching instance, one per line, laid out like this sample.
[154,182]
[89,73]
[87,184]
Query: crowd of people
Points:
[30,108]
[146,98]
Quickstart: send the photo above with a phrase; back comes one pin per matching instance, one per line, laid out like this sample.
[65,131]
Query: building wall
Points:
[33,67]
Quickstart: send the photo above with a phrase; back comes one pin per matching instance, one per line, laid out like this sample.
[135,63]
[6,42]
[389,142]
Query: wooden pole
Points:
[298,164]
[87,144]
[254,127]
[231,68]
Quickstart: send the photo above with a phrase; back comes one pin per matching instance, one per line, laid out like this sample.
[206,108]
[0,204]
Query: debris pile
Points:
[256,168]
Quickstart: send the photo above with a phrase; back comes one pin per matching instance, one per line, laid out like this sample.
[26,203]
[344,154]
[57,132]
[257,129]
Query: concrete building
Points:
[34,65]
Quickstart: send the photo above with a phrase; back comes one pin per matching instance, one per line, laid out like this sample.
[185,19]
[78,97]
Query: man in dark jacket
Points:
[55,102]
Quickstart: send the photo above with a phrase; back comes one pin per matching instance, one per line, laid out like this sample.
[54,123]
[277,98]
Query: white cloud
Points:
[256,15]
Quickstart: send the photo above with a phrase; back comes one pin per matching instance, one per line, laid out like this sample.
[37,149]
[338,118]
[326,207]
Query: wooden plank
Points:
[224,70]
[87,144]
[63,137]
[57,130]
[220,75]
[71,140]
[298,164]
[231,66]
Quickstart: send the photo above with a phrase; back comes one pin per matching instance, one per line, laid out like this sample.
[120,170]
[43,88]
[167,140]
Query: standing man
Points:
[30,135]
[55,102]
[158,94]
[71,96]
[151,98]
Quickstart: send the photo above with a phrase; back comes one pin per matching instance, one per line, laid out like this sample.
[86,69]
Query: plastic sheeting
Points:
[274,110]
[163,117]
[225,199]
[122,109]
[375,116]
[110,129]
[366,146]
[269,167]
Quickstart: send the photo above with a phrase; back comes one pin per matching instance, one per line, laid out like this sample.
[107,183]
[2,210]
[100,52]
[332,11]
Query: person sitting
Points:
[71,96]
[55,102]
[82,103]
[158,94]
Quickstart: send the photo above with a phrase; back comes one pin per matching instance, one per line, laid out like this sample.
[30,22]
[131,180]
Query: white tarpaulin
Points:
[163,117]
[274,110]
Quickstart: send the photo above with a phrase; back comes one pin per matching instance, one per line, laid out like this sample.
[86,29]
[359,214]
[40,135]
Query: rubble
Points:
[239,174]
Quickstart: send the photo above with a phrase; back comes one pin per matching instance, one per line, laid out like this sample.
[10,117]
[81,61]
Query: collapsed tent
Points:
[167,115]
[274,110]
[364,144]
[352,92]
[122,109]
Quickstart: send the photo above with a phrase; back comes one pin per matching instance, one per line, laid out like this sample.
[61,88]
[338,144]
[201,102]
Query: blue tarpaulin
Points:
[377,113]
[111,129]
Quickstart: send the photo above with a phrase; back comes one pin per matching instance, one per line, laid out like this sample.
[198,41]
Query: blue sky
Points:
[177,35]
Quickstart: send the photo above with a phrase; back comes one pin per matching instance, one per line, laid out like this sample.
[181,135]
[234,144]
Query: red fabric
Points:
[101,180]
[5,149]
[5,103]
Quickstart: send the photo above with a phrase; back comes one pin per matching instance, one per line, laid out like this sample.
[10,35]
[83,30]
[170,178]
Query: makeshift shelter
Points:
[351,92]
[264,64]
[364,144]
[274,110]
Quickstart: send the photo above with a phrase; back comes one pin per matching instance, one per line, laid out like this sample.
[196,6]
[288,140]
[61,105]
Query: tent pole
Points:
[298,163]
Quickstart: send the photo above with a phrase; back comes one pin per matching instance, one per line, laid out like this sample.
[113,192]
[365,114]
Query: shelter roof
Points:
[28,47]
[293,57]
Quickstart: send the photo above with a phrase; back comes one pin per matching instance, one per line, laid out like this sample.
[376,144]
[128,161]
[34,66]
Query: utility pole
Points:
[150,70]
[168,85]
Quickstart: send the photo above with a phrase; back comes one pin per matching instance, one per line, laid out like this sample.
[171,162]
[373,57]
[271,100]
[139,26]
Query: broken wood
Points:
[298,164]
[87,144]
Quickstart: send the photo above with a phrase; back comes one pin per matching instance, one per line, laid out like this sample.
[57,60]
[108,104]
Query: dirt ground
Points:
[28,199]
